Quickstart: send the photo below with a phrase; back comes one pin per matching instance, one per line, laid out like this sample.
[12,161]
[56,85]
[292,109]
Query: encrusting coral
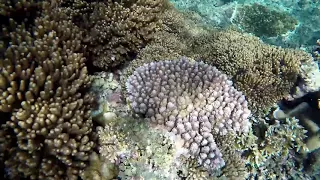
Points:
[191,100]
[42,75]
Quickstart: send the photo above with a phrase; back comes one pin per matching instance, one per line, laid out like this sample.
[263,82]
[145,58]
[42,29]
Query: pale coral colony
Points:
[158,90]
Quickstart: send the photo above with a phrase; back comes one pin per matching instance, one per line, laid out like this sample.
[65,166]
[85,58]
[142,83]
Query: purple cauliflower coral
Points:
[192,100]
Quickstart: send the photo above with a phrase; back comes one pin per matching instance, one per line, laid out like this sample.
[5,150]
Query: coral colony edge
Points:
[159,90]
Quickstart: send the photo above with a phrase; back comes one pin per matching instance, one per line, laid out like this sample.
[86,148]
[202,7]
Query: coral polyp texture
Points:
[192,100]
[119,29]
[46,124]
[264,73]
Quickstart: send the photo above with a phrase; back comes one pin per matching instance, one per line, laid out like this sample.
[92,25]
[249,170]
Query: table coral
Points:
[191,100]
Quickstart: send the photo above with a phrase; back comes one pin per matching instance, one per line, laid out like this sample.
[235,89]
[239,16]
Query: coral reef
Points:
[280,167]
[100,169]
[188,120]
[264,73]
[173,41]
[48,129]
[115,31]
[119,29]
[137,150]
[191,100]
[256,17]
[191,170]
[235,164]
[273,147]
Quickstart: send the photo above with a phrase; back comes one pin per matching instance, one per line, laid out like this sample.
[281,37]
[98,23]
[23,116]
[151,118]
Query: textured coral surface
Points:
[47,125]
[192,100]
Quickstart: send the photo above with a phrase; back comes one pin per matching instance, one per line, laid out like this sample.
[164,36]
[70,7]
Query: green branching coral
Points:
[262,21]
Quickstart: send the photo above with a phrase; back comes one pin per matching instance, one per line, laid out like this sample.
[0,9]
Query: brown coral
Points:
[42,80]
[264,73]
[121,28]
[235,165]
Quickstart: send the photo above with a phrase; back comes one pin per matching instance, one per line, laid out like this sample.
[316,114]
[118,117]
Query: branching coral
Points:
[264,73]
[273,140]
[279,138]
[20,11]
[121,28]
[173,41]
[280,167]
[192,100]
[42,77]
[191,170]
[235,164]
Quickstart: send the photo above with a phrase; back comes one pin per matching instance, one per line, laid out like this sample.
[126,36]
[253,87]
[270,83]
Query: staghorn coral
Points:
[119,29]
[262,21]
[191,100]
[42,79]
[264,73]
